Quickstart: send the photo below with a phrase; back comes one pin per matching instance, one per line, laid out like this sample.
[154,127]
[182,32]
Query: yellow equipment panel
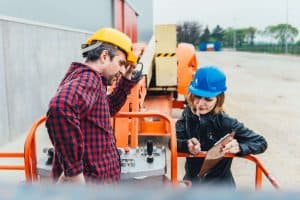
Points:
[165,38]
[166,71]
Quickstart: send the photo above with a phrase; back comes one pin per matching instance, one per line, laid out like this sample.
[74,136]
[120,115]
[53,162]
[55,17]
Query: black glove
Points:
[138,74]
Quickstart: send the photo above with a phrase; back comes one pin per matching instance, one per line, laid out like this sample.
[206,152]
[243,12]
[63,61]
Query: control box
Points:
[136,163]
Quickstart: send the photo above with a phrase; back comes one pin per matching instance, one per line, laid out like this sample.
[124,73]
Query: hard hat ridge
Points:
[209,81]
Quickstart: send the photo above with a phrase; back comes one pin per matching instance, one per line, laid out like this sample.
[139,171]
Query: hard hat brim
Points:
[131,58]
[202,93]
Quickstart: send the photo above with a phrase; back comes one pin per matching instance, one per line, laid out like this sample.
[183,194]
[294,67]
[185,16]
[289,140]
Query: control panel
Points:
[143,161]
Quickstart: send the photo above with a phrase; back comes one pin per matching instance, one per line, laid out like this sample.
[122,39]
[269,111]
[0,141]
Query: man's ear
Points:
[104,55]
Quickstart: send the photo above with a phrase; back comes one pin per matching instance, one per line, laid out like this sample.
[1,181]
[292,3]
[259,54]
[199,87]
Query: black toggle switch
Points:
[50,154]
[150,151]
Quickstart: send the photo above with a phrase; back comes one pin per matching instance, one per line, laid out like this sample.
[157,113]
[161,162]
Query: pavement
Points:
[263,91]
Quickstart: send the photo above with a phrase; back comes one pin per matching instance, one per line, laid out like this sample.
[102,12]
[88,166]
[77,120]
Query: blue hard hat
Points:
[209,81]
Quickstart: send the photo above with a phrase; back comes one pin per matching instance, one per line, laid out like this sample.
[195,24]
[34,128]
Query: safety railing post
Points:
[258,178]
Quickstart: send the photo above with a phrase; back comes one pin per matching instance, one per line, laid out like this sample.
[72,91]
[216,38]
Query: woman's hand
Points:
[194,146]
[231,147]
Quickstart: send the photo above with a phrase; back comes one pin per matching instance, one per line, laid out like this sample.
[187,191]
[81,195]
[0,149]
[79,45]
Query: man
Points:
[79,114]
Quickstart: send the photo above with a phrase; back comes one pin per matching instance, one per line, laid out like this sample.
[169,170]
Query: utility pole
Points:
[234,39]
[286,26]
[234,34]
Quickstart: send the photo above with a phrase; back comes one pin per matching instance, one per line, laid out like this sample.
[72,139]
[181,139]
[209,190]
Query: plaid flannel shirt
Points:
[79,125]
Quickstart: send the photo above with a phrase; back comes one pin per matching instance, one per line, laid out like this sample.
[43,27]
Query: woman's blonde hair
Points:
[218,107]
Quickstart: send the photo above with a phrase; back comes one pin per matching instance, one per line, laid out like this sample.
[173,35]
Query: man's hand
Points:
[128,71]
[78,179]
[194,146]
[231,147]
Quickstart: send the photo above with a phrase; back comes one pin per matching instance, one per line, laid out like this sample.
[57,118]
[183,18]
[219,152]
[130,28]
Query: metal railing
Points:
[30,158]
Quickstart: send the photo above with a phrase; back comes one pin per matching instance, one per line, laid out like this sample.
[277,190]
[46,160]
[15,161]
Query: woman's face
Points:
[204,105]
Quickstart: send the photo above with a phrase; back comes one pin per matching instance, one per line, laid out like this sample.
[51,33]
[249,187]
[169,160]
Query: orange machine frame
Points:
[30,157]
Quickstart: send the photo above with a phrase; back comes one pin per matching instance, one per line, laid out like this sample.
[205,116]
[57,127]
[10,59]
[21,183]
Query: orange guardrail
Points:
[30,158]
[29,154]
[260,168]
[12,155]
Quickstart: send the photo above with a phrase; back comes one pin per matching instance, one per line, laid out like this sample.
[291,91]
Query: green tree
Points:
[284,33]
[189,32]
[217,34]
[228,37]
[205,35]
[240,36]
[250,35]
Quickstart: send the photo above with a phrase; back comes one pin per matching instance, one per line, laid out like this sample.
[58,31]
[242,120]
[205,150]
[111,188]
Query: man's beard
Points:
[114,79]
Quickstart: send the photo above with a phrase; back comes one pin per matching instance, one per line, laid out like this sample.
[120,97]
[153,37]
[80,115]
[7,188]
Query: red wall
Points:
[118,14]
[125,19]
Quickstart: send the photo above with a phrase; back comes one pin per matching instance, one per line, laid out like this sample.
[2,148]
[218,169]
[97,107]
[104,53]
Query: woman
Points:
[204,122]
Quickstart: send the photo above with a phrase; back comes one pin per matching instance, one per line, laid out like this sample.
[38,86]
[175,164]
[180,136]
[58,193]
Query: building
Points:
[39,39]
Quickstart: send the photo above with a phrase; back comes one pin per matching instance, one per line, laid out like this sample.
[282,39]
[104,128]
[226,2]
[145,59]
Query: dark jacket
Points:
[208,129]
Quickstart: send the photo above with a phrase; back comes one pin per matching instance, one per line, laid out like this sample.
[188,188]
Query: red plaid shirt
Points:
[79,126]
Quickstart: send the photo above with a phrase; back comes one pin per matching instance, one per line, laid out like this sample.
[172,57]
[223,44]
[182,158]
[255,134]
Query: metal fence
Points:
[271,48]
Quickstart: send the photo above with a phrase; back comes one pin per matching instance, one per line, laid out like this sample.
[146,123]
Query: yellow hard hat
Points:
[116,38]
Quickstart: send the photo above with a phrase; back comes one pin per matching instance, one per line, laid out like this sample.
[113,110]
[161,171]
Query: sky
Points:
[228,13]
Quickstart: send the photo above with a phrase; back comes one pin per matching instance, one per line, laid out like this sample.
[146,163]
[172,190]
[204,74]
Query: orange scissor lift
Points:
[145,113]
